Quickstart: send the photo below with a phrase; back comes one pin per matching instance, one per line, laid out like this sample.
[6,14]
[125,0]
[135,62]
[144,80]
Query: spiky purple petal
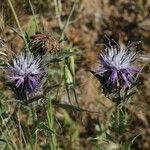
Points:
[117,66]
[25,72]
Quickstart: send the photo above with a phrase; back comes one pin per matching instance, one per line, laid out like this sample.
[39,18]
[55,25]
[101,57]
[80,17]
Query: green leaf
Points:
[73,108]
[2,65]
[98,147]
[127,145]
[3,144]
[2,140]
[109,137]
[16,31]
[129,95]
[70,107]
[58,57]
[68,75]
[49,88]
[43,127]
[31,27]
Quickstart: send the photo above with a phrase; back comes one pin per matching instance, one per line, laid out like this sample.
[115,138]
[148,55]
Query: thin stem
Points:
[58,89]
[5,137]
[75,96]
[9,133]
[58,12]
[34,15]
[22,135]
[34,115]
[50,119]
[68,94]
[67,21]
[26,98]
[17,21]
[117,123]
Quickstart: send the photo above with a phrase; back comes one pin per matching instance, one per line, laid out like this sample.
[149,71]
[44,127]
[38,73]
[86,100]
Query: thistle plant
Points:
[25,73]
[117,74]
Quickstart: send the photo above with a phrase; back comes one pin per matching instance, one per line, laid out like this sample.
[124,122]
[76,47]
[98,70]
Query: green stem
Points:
[34,16]
[58,12]
[67,21]
[17,21]
[117,115]
[50,119]
[117,123]
[34,115]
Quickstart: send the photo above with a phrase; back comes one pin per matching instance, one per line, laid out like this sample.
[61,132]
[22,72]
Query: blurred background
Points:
[91,21]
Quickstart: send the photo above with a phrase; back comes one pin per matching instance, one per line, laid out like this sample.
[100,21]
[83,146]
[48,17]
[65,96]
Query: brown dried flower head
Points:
[42,43]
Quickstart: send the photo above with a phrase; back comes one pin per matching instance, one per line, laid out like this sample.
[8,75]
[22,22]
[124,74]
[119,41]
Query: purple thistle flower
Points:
[25,72]
[116,69]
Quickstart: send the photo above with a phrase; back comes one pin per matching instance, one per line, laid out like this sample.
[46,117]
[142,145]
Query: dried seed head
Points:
[41,44]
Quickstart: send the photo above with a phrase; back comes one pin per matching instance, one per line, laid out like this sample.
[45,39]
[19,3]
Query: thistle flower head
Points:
[116,69]
[42,43]
[25,72]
